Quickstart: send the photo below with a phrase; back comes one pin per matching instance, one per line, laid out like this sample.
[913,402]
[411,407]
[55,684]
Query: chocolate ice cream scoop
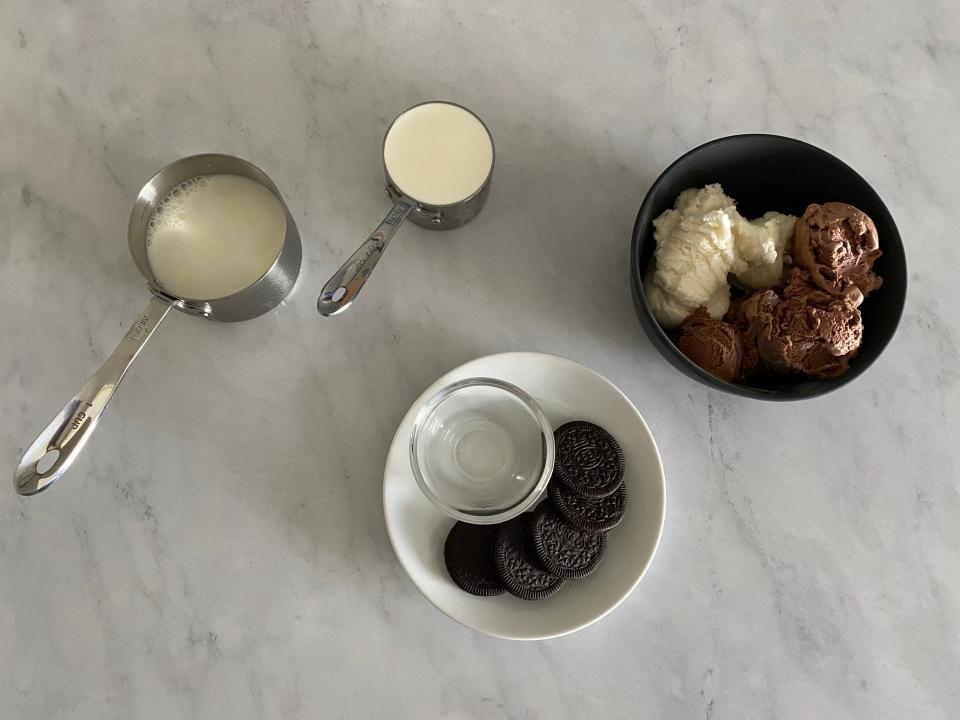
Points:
[838,245]
[809,331]
[745,314]
[712,344]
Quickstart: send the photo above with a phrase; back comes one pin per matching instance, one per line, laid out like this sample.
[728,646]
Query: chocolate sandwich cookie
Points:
[517,565]
[589,514]
[588,459]
[563,549]
[468,555]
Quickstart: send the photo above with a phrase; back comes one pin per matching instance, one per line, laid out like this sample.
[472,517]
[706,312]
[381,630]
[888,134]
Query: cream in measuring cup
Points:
[438,160]
[438,153]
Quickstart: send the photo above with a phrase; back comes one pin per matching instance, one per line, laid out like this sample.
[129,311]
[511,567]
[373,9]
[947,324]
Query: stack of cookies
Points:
[533,555]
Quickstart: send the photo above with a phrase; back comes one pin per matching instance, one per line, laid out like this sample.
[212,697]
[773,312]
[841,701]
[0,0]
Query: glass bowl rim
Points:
[546,470]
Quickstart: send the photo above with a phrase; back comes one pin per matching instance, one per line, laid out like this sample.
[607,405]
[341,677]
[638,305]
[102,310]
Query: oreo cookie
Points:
[468,555]
[517,565]
[563,549]
[589,514]
[588,459]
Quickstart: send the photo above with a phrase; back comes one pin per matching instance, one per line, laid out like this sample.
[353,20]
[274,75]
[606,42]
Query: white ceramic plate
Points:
[566,391]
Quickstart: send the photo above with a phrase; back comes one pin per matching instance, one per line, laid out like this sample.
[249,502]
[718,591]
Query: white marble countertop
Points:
[220,552]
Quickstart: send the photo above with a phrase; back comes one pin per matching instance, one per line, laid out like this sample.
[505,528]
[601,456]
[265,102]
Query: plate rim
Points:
[523,355]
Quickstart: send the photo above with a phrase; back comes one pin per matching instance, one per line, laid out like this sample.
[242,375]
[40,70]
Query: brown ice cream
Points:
[808,331]
[838,245]
[745,314]
[712,344]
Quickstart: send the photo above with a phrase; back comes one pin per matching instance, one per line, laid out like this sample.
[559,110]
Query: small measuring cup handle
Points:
[345,285]
[59,444]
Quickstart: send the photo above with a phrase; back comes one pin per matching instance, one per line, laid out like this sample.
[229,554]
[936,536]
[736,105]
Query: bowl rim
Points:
[546,466]
[397,533]
[640,299]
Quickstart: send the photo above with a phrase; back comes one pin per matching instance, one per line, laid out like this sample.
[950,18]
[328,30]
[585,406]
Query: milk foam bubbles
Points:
[214,235]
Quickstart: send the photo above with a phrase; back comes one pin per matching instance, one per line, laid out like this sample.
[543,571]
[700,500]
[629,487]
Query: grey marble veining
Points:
[219,551]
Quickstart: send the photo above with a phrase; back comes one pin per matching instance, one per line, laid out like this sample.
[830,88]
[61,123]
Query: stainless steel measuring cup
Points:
[59,444]
[342,289]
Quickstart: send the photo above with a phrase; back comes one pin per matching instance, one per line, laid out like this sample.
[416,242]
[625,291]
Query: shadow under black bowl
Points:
[770,172]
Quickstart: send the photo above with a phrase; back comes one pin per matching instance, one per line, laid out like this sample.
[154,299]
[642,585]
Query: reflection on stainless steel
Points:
[342,288]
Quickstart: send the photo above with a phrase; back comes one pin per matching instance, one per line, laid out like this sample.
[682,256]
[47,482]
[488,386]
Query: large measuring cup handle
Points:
[59,444]
[343,288]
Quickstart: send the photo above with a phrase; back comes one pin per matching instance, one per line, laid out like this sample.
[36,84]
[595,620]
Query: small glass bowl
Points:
[482,450]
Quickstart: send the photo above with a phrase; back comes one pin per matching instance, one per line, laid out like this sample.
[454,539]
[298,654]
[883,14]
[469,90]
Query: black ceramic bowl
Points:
[770,172]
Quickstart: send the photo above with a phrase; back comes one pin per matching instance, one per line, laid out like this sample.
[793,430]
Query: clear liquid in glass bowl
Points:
[482,450]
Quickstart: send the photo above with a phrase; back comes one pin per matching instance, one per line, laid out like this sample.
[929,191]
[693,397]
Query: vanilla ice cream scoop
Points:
[670,312]
[695,251]
[695,258]
[770,237]
[700,241]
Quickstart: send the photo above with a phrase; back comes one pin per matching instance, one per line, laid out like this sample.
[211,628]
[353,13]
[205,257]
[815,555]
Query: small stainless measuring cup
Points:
[59,444]
[342,289]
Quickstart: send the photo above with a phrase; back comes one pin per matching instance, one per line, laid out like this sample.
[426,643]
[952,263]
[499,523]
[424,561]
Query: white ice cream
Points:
[699,243]
[773,232]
